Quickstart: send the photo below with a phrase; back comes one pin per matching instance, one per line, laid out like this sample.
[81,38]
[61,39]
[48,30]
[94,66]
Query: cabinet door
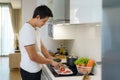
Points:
[45,76]
[42,77]
[85,11]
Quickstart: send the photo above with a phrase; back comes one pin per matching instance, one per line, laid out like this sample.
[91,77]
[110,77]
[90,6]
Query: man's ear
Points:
[38,17]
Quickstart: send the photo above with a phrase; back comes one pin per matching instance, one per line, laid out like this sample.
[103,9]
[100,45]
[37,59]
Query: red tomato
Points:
[62,69]
[67,71]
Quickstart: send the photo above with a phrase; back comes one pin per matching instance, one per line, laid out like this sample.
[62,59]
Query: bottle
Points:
[61,50]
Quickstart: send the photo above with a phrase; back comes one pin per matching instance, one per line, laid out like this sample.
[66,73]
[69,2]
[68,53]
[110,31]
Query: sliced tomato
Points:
[62,69]
[68,71]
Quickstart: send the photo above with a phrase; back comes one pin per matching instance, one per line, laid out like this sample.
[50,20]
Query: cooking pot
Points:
[71,60]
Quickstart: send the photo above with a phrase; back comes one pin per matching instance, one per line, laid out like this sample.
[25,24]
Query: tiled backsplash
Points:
[87,42]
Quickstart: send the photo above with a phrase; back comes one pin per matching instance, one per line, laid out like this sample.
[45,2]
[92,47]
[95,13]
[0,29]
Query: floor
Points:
[5,72]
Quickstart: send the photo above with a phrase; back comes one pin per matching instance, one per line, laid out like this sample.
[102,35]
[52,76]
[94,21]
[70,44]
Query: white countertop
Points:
[97,75]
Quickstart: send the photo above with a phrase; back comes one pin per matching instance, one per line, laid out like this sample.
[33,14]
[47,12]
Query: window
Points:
[6,31]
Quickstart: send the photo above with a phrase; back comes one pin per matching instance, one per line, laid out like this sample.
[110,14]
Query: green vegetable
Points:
[82,60]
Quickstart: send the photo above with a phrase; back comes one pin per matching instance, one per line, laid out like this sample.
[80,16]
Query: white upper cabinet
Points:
[85,11]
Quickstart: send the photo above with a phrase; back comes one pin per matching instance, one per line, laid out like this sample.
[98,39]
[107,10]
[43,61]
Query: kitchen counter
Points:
[48,73]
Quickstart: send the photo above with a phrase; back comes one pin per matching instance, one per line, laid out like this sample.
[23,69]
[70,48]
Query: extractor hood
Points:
[61,11]
[60,21]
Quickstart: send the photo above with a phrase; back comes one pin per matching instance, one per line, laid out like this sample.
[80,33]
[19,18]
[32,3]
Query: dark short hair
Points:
[43,11]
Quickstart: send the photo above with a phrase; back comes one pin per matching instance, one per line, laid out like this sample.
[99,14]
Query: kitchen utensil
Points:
[71,60]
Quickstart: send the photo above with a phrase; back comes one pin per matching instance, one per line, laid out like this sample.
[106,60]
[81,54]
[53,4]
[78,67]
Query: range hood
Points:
[60,21]
[61,11]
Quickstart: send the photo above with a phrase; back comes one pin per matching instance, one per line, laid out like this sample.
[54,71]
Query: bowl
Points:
[83,69]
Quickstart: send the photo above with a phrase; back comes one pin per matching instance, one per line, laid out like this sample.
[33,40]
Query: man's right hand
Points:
[55,64]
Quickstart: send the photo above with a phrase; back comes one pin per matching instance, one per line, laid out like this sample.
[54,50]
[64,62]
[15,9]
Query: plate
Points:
[66,71]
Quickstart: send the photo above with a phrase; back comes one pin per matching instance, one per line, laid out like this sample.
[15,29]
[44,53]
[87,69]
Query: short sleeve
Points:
[28,36]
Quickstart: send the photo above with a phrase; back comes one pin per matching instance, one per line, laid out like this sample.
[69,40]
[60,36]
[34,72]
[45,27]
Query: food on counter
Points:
[60,56]
[82,61]
[64,70]
[84,65]
[90,63]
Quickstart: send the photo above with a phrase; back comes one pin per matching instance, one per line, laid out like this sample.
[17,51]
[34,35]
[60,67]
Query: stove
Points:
[72,68]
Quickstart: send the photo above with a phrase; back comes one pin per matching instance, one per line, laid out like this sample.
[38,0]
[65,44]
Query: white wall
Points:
[87,42]
[28,7]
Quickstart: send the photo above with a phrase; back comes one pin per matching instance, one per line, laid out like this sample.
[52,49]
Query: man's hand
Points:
[55,64]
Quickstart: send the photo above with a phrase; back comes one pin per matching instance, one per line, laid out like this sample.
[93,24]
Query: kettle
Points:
[71,60]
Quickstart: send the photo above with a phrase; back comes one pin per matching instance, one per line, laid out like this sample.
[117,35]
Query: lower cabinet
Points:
[14,60]
[45,76]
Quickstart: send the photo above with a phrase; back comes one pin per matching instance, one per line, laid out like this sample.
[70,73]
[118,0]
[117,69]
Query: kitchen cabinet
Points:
[61,32]
[44,76]
[14,60]
[85,11]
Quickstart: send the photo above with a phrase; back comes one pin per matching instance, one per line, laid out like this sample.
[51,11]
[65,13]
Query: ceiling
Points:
[16,4]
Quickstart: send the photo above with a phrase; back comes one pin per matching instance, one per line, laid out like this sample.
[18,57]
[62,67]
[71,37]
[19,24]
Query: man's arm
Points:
[36,57]
[45,51]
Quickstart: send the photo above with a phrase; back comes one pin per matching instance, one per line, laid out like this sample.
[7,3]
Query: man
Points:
[33,51]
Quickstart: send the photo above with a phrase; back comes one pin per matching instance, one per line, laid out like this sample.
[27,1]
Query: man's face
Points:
[41,22]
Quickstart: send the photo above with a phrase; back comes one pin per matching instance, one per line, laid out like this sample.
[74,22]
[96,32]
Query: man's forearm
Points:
[41,60]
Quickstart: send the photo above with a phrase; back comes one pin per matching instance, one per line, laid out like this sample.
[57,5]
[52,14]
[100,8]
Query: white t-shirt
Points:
[28,36]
